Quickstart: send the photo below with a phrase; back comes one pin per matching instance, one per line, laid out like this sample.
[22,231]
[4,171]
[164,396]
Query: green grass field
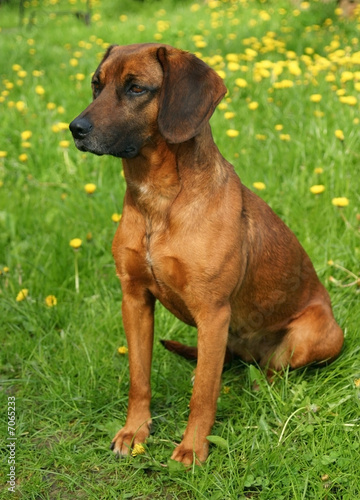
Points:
[293,75]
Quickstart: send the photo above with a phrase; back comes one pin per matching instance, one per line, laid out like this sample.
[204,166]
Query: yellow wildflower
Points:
[22,295]
[51,300]
[339,134]
[232,133]
[25,136]
[253,105]
[64,144]
[116,217]
[229,114]
[315,97]
[285,137]
[317,189]
[90,188]
[75,243]
[123,350]
[39,90]
[340,202]
[3,154]
[279,127]
[348,99]
[23,157]
[318,170]
[240,82]
[259,185]
[261,137]
[138,450]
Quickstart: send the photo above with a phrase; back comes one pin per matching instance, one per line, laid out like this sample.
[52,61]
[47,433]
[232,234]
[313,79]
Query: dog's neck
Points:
[156,176]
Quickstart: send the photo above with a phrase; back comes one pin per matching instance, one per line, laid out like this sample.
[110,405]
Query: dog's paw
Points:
[126,439]
[187,455]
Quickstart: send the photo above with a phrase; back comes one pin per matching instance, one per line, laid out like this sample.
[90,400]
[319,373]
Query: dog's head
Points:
[143,92]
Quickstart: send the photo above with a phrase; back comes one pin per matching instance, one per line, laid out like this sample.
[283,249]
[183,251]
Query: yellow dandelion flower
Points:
[279,127]
[315,97]
[51,301]
[73,62]
[340,202]
[23,157]
[123,350]
[232,133]
[260,186]
[339,134]
[241,82]
[116,217]
[22,73]
[3,154]
[285,137]
[357,382]
[6,269]
[50,106]
[233,66]
[348,99]
[20,105]
[80,77]
[25,136]
[22,295]
[16,67]
[319,114]
[318,170]
[330,262]
[229,115]
[221,73]
[39,90]
[75,243]
[260,137]
[253,105]
[64,144]
[90,188]
[138,450]
[195,7]
[317,189]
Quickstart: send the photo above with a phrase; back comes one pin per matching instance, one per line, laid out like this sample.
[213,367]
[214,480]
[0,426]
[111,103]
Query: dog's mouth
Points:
[129,152]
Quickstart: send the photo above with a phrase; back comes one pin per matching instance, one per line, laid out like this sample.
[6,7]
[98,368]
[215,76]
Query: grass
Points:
[296,439]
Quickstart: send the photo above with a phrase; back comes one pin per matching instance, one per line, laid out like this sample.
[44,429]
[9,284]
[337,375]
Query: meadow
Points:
[290,124]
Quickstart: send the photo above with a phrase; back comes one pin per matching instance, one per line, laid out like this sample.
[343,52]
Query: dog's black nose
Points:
[80,127]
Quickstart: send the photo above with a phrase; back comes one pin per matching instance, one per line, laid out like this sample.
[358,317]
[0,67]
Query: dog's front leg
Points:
[138,319]
[212,339]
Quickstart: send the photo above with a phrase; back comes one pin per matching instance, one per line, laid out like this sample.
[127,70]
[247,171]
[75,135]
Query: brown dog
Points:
[193,237]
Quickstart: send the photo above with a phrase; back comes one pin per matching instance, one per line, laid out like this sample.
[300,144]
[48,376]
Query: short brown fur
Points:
[195,238]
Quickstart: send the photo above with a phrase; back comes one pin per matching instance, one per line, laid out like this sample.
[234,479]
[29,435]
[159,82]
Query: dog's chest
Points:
[168,274]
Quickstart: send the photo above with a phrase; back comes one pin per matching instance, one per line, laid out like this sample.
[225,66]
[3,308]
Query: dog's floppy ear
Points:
[189,94]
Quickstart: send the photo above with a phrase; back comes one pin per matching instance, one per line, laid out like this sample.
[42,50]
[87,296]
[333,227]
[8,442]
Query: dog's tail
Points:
[190,352]
[187,352]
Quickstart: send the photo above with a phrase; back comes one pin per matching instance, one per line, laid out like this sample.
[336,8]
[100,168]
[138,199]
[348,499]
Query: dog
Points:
[195,238]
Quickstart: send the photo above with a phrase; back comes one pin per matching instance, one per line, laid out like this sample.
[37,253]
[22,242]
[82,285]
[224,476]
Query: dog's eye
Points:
[96,86]
[136,90]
